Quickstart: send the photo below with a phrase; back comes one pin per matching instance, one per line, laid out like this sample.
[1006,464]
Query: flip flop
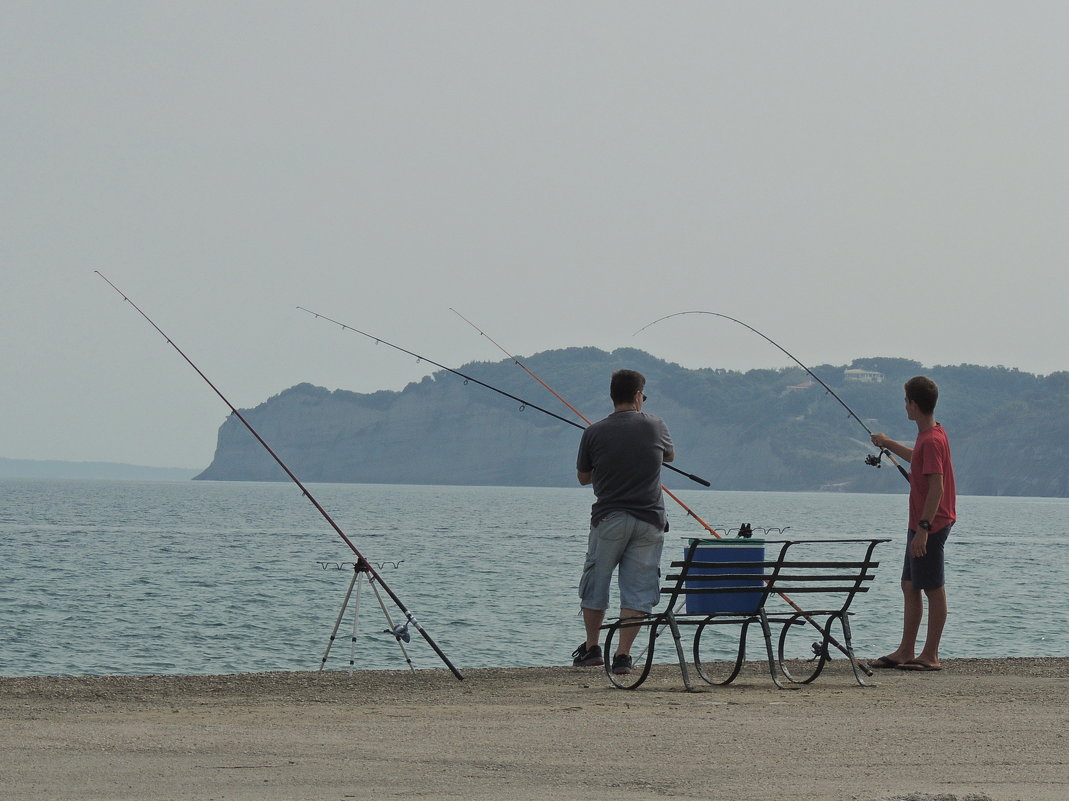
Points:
[919,665]
[883,663]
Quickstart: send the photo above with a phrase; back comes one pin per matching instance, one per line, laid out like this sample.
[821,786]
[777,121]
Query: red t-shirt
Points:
[931,455]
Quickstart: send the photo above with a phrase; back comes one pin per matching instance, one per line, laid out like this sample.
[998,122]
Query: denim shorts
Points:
[926,572]
[635,546]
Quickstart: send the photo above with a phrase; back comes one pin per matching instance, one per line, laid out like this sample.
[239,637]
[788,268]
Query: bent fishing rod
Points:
[523,403]
[873,461]
[807,616]
[362,563]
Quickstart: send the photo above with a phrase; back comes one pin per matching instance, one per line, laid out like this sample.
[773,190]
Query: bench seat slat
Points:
[769,565]
[771,590]
[778,579]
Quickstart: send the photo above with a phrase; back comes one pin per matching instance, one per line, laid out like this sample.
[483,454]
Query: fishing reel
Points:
[820,650]
[400,632]
[872,460]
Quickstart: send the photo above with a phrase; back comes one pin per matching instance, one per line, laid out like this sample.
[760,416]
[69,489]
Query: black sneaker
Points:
[587,657]
[622,664]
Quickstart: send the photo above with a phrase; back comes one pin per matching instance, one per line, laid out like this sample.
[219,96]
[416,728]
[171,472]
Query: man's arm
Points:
[668,448]
[584,464]
[897,448]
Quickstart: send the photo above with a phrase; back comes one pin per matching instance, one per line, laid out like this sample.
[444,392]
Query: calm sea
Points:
[126,577]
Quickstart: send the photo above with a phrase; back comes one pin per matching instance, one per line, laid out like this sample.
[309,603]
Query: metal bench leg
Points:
[642,665]
[679,650]
[810,669]
[845,622]
[772,664]
[709,668]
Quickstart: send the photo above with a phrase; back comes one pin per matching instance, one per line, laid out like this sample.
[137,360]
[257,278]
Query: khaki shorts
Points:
[635,546]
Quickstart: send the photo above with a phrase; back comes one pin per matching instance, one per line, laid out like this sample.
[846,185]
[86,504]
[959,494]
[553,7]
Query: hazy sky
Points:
[854,179]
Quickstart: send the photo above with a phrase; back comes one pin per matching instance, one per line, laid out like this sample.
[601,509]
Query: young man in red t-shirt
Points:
[931,514]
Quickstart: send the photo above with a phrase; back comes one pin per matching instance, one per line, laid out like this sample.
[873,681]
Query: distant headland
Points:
[117,471]
[762,430]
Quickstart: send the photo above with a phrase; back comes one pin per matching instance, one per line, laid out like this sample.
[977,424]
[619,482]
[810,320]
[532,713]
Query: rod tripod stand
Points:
[399,632]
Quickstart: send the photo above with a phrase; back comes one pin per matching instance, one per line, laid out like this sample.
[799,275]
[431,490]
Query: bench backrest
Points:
[828,572]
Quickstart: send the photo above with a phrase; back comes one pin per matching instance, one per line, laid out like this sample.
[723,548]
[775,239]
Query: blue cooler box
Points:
[725,550]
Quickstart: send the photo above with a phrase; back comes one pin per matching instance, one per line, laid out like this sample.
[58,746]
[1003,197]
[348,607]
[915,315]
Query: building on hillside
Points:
[863,376]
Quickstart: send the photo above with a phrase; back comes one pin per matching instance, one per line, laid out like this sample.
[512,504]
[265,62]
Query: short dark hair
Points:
[923,392]
[625,384]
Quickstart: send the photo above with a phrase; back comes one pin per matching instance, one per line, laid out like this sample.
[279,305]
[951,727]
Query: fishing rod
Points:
[521,365]
[523,403]
[807,616]
[362,563]
[581,416]
[871,460]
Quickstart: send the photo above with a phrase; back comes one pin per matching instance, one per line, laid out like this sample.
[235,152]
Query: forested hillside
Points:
[754,430]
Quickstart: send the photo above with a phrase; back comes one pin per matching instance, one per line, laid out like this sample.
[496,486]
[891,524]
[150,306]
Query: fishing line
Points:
[362,562]
[871,460]
[524,404]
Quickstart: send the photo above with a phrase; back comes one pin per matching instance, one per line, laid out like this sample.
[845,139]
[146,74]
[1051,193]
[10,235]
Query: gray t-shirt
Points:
[624,453]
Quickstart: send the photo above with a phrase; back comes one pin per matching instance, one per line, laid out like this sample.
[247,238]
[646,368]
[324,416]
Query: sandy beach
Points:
[981,730]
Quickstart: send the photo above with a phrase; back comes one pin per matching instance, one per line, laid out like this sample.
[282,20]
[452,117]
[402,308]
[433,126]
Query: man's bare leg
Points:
[912,612]
[592,620]
[937,618]
[628,633]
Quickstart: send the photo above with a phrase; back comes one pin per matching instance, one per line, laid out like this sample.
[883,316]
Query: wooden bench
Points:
[826,574]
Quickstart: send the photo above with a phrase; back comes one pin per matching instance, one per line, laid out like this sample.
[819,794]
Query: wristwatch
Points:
[925,525]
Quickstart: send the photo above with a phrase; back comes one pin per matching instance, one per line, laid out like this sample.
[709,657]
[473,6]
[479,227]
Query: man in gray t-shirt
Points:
[622,456]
